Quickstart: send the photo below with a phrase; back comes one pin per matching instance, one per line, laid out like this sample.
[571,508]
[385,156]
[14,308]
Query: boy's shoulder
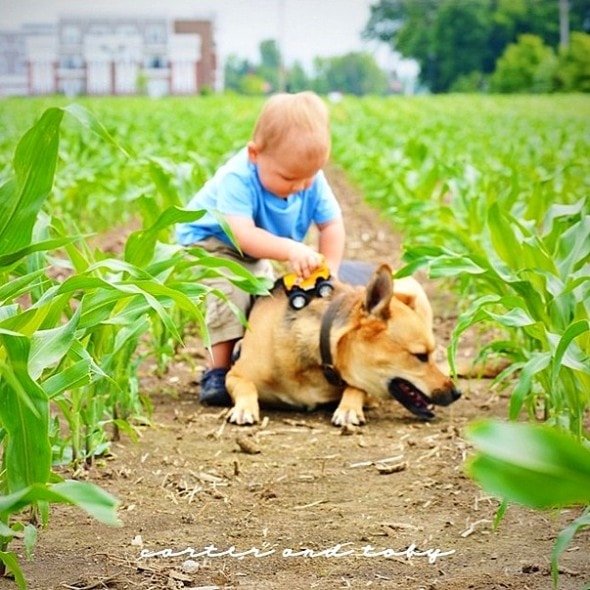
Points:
[237,171]
[239,163]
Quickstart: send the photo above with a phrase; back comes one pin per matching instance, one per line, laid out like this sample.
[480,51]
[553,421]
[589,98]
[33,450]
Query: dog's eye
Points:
[422,357]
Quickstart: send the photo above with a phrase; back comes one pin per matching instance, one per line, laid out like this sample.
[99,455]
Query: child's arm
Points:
[259,243]
[331,243]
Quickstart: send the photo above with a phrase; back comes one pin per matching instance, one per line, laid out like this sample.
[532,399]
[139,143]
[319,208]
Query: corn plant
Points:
[69,341]
[537,466]
[536,285]
[28,349]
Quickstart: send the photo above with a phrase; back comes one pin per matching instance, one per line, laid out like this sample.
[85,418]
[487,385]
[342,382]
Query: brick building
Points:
[109,56]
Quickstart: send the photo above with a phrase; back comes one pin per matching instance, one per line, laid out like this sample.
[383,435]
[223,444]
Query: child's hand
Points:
[303,260]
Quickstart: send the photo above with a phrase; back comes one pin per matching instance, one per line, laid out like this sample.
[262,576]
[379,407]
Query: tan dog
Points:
[359,342]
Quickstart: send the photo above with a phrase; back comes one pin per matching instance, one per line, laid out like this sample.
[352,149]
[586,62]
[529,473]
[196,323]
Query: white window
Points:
[71,62]
[98,78]
[126,78]
[184,77]
[155,34]
[71,35]
[42,78]
[155,62]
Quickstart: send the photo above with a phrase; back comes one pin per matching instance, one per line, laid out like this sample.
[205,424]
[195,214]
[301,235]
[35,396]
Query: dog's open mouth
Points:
[411,398]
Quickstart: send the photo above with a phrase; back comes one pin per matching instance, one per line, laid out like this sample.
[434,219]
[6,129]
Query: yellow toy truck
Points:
[300,291]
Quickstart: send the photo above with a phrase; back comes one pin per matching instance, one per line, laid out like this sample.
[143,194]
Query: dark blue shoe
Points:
[213,391]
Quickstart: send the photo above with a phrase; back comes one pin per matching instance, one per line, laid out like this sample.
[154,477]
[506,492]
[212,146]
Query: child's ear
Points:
[253,151]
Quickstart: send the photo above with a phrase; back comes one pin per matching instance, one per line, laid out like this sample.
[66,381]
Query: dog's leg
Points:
[350,408]
[245,396]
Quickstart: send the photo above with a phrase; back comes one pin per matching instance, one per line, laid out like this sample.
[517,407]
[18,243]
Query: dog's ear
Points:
[379,292]
[409,291]
[408,299]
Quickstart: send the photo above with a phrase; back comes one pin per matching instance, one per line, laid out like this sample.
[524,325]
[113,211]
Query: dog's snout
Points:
[445,397]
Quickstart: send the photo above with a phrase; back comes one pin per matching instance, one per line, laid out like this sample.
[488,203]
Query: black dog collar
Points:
[331,373]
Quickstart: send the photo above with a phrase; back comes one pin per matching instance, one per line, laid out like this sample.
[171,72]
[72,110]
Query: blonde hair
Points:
[301,118]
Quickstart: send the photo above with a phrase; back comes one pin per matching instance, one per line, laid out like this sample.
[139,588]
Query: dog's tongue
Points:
[411,398]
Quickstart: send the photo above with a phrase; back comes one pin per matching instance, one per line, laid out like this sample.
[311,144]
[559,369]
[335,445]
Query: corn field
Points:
[490,194]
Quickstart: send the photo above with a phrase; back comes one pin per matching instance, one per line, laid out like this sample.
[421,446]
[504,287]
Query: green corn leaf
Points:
[95,501]
[30,539]
[48,347]
[452,266]
[163,172]
[167,259]
[34,165]
[16,287]
[35,159]
[564,539]
[154,303]
[129,334]
[536,363]
[535,465]
[220,218]
[475,314]
[411,268]
[574,247]
[515,318]
[140,245]
[237,273]
[15,256]
[129,289]
[27,322]
[163,291]
[506,243]
[10,560]
[7,312]
[563,353]
[72,377]
[81,353]
[535,256]
[558,211]
[88,120]
[9,533]
[24,413]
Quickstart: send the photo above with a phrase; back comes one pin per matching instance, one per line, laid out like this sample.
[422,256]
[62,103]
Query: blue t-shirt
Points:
[235,189]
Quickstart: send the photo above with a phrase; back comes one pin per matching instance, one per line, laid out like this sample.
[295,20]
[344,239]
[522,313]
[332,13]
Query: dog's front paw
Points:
[244,414]
[348,417]
[350,409]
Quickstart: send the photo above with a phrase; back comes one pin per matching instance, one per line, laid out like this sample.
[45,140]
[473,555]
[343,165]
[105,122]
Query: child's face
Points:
[283,172]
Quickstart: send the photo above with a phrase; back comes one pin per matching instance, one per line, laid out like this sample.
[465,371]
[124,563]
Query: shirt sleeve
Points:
[327,206]
[234,196]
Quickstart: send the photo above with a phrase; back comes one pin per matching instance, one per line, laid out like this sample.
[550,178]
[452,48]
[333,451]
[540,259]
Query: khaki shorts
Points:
[222,323]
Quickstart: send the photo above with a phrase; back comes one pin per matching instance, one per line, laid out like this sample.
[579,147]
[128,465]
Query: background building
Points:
[109,56]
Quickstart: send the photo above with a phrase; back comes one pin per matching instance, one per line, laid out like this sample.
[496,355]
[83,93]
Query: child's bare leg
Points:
[221,354]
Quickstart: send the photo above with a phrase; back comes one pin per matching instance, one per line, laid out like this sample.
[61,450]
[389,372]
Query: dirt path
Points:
[385,506]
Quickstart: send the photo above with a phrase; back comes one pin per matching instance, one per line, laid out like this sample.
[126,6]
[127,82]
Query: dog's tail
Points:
[469,369]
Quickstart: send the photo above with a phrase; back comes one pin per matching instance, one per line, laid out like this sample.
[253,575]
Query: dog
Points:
[357,344]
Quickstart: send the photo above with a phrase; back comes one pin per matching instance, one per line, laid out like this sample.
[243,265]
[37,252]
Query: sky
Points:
[304,28]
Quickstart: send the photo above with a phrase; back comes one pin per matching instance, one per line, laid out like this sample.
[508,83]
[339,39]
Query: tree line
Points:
[500,45]
[460,45]
[354,73]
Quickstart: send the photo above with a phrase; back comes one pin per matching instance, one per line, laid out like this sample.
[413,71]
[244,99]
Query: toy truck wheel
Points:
[324,289]
[298,300]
